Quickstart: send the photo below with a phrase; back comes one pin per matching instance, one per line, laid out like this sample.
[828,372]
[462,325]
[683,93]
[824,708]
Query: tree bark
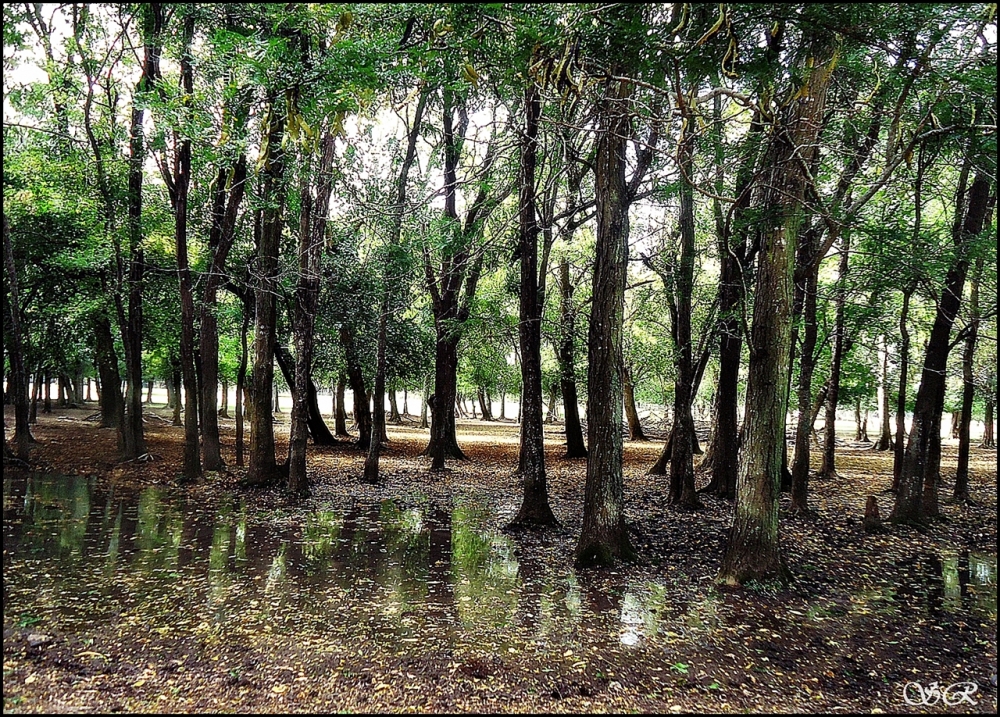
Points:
[604,538]
[807,364]
[306,417]
[241,382]
[263,468]
[753,551]
[362,414]
[682,490]
[534,510]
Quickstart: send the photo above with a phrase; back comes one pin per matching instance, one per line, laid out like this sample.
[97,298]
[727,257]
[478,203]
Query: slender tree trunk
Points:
[424,403]
[904,366]
[752,551]
[534,510]
[149,392]
[224,408]
[179,195]
[829,467]
[682,490]
[306,416]
[15,350]
[807,364]
[916,498]
[961,491]
[371,469]
[241,382]
[604,538]
[178,396]
[36,391]
[263,467]
[575,447]
[884,442]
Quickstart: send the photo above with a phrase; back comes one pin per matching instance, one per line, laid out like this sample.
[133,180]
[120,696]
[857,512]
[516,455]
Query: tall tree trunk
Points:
[916,498]
[904,367]
[752,550]
[575,447]
[263,467]
[424,402]
[315,424]
[179,196]
[682,490]
[241,382]
[829,466]
[534,510]
[443,443]
[224,408]
[371,469]
[604,538]
[807,364]
[133,438]
[306,416]
[961,491]
[15,350]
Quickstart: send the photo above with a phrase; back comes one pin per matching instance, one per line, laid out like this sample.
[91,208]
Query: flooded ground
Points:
[159,598]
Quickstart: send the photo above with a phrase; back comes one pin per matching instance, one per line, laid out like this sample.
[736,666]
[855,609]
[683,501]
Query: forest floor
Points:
[416,600]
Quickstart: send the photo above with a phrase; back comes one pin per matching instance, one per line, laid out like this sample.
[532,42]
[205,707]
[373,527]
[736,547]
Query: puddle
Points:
[399,574]
[393,573]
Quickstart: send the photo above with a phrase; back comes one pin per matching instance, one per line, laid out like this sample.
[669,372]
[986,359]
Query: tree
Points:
[752,549]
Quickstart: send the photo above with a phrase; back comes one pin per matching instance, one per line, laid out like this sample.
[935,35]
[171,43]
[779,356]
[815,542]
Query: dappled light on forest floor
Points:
[123,591]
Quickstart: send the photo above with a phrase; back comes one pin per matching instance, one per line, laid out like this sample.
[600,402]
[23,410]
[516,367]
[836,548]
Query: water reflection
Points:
[394,573]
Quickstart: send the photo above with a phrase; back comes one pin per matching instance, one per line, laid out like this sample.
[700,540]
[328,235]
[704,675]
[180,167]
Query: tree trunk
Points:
[36,392]
[149,392]
[989,437]
[829,466]
[752,550]
[179,197]
[635,432]
[133,440]
[916,497]
[961,491]
[339,412]
[263,468]
[604,538]
[904,366]
[443,442]
[224,408]
[534,510]
[241,382]
[807,363]
[178,396]
[884,442]
[682,490]
[315,424]
[362,415]
[424,403]
[306,417]
[111,400]
[394,415]
[575,447]
[18,376]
